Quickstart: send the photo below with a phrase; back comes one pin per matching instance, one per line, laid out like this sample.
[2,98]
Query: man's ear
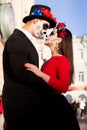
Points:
[35,21]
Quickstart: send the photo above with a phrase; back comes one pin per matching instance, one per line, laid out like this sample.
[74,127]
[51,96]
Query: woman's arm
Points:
[37,72]
[77,88]
[60,84]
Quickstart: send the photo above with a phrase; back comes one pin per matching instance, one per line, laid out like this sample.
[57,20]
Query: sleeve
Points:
[62,82]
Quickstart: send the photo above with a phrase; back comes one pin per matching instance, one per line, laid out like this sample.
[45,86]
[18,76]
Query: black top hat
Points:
[42,12]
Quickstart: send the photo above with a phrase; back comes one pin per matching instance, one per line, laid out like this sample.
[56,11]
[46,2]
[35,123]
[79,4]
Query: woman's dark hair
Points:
[66,49]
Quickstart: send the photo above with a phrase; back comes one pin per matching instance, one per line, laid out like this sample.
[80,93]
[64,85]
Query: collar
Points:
[27,34]
[30,37]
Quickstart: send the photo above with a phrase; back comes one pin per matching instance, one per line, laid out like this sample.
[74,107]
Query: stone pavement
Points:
[83,123]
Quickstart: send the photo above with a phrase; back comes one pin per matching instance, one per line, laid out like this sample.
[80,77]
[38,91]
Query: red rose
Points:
[61,28]
[61,25]
[62,33]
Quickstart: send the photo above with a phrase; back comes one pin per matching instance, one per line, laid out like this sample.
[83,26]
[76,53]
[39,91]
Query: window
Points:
[81,76]
[81,53]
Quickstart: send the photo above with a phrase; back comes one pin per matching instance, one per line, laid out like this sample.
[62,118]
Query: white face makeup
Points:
[44,36]
[41,28]
[51,37]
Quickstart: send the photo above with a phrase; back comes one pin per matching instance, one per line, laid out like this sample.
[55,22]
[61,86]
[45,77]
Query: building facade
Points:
[80,67]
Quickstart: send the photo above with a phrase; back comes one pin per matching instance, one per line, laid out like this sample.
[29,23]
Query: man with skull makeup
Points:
[22,90]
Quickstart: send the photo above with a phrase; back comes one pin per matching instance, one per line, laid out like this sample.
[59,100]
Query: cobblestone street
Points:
[83,123]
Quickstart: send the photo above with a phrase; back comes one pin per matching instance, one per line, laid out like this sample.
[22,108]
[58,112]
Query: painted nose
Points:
[45,34]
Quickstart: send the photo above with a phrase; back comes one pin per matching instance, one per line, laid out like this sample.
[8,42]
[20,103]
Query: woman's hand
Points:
[33,68]
[37,72]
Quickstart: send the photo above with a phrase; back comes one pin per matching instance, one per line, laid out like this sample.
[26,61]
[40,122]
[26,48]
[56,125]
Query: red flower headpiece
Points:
[61,28]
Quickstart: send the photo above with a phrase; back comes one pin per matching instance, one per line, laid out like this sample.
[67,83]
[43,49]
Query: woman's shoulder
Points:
[61,60]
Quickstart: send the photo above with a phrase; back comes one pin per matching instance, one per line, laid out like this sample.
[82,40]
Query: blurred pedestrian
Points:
[82,108]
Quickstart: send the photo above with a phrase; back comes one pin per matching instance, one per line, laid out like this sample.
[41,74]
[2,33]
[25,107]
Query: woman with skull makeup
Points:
[58,73]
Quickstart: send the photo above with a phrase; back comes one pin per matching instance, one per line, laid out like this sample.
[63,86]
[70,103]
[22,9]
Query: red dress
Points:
[58,113]
[58,68]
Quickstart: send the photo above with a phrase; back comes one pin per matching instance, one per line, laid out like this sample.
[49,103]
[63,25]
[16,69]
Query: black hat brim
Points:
[52,22]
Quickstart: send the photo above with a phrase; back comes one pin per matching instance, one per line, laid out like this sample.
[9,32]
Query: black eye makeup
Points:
[52,33]
[45,26]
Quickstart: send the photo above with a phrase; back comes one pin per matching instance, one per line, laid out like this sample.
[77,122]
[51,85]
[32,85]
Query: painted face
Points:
[51,38]
[40,28]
